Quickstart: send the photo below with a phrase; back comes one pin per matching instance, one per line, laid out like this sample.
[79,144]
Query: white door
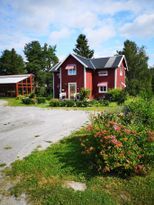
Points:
[71,90]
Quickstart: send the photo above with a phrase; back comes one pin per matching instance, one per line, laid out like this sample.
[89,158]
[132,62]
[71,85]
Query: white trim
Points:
[123,57]
[72,56]
[60,82]
[85,80]
[115,78]
[69,88]
[53,85]
[92,64]
[79,60]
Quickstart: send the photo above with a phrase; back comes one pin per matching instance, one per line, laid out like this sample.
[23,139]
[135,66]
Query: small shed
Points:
[14,85]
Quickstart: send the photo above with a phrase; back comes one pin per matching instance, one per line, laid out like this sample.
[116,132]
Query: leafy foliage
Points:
[140,113]
[112,147]
[138,76]
[82,47]
[84,94]
[39,62]
[116,95]
[11,63]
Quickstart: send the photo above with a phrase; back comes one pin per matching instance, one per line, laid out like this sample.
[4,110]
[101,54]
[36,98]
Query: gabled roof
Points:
[12,79]
[96,63]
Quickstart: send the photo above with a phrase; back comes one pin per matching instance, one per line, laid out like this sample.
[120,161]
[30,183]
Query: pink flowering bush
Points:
[111,147]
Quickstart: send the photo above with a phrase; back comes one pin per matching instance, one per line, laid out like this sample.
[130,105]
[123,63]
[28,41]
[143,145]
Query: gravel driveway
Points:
[22,129]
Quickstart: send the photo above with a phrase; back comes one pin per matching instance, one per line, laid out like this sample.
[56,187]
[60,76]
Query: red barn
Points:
[96,74]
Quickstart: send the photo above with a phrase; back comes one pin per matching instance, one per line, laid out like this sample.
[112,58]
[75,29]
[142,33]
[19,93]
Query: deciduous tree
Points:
[138,75]
[11,63]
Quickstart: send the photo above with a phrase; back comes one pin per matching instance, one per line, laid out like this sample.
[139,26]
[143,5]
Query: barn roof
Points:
[12,79]
[96,63]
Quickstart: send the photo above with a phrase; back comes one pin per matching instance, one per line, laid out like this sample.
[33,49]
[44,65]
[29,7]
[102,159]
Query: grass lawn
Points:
[42,175]
[113,107]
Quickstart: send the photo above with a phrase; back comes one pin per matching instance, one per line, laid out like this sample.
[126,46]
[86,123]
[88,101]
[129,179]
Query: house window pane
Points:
[102,89]
[72,71]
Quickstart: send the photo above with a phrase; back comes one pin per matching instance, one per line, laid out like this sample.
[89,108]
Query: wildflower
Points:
[116,127]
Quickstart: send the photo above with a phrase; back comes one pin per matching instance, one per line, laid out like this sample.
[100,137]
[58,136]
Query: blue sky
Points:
[106,23]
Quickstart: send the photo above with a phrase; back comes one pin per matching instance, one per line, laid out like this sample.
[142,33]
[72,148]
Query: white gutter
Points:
[53,85]
[85,80]
[115,78]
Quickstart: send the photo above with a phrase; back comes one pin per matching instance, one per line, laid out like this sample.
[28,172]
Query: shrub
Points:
[20,97]
[40,100]
[116,95]
[112,147]
[54,103]
[84,94]
[82,103]
[95,103]
[32,95]
[28,101]
[139,112]
[104,102]
[69,103]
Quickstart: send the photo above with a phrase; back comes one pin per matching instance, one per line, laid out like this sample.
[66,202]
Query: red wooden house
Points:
[96,74]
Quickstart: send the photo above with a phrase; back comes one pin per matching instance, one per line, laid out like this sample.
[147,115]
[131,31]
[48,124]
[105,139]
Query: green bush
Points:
[82,103]
[32,95]
[20,97]
[112,147]
[54,103]
[28,101]
[116,95]
[95,103]
[40,100]
[69,103]
[140,112]
[84,94]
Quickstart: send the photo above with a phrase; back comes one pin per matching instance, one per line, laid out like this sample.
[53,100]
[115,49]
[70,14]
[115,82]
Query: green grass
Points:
[42,174]
[113,107]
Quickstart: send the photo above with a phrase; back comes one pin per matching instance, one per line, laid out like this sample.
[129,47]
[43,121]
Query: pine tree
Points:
[138,77]
[82,47]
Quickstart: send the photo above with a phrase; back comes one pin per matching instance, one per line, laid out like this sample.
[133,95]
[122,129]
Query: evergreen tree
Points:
[138,75]
[82,47]
[152,76]
[11,63]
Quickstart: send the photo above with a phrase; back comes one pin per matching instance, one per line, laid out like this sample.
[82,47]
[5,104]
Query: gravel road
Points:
[22,129]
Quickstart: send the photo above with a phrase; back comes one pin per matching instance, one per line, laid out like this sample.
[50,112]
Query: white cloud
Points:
[56,36]
[99,35]
[142,26]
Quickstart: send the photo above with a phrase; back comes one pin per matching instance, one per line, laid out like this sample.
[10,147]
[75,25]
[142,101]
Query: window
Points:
[102,89]
[103,73]
[72,71]
[120,71]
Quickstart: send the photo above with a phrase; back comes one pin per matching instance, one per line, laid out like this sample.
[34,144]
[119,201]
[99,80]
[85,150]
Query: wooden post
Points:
[22,89]
[17,92]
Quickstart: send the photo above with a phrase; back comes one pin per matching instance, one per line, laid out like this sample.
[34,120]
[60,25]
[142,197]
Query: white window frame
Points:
[101,91]
[103,73]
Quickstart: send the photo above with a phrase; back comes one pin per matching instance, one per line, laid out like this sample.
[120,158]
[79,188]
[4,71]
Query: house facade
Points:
[96,74]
